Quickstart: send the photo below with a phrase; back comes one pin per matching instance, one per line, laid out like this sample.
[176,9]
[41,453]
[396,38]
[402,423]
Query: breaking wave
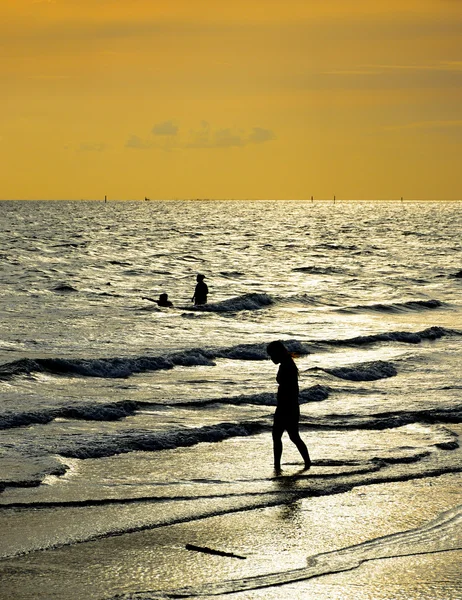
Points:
[102,367]
[115,411]
[244,302]
[90,412]
[411,305]
[143,440]
[125,367]
[82,447]
[365,371]
[34,470]
[314,270]
[407,337]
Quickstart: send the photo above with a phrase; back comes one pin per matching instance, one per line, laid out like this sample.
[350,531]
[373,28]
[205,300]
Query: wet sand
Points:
[156,563]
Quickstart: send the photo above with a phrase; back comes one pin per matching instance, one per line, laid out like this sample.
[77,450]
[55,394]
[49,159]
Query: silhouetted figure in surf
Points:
[287,414]
[201,291]
[163,300]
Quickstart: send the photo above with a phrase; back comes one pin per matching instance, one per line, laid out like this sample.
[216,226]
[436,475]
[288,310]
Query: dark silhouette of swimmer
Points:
[163,300]
[201,291]
[287,414]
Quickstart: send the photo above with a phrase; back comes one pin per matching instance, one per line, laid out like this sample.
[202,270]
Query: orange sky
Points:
[220,99]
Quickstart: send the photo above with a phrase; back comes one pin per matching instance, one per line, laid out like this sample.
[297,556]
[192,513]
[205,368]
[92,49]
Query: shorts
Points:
[286,420]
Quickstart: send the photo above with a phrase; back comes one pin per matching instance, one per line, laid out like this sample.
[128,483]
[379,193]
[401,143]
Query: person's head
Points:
[278,352]
[200,277]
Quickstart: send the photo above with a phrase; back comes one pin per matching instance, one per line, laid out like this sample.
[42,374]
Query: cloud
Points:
[136,142]
[260,135]
[167,136]
[165,128]
[436,125]
[435,75]
[208,138]
[91,147]
[227,137]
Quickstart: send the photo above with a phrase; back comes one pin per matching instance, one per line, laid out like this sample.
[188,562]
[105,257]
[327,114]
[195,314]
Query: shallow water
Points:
[111,406]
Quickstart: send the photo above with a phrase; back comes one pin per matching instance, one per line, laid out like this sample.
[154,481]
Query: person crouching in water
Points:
[201,291]
[287,414]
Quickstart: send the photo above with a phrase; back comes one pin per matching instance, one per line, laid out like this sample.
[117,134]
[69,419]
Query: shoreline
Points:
[273,540]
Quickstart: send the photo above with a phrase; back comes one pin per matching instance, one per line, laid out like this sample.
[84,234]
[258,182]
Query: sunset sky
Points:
[220,99]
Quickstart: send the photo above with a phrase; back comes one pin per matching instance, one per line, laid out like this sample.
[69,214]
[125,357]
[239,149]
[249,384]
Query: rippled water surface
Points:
[110,403]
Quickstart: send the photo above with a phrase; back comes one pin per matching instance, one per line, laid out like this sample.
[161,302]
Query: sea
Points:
[118,416]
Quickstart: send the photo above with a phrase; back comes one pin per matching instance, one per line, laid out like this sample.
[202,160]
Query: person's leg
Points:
[277,432]
[294,436]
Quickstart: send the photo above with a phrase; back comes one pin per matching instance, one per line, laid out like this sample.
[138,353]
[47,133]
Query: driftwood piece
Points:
[212,551]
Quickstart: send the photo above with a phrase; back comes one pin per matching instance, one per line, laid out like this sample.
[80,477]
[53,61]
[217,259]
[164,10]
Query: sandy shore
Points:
[272,540]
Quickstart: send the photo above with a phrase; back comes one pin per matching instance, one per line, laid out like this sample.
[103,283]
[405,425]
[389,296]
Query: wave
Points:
[35,469]
[64,287]
[102,367]
[142,440]
[332,246]
[28,471]
[457,275]
[392,420]
[315,393]
[122,367]
[70,245]
[114,411]
[411,305]
[231,274]
[245,302]
[406,337]
[364,372]
[313,270]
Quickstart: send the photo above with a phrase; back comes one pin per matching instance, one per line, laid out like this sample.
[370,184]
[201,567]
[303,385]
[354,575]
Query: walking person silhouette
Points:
[287,414]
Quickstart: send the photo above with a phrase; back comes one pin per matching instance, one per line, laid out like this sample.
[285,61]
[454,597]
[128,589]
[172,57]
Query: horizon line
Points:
[176,199]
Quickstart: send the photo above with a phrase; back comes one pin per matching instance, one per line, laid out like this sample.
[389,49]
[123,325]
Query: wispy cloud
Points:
[437,124]
[167,136]
[260,135]
[165,128]
[446,65]
[441,75]
[91,147]
[138,143]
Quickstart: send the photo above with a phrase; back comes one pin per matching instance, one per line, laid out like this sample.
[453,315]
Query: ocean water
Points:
[119,417]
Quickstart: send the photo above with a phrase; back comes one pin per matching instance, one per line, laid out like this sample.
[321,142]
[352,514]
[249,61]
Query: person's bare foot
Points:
[277,470]
[307,466]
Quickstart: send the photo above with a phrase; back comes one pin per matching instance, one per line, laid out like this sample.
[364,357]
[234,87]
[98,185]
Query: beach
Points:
[136,450]
[280,536]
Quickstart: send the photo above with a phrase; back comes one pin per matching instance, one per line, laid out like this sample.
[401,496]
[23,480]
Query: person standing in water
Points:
[287,414]
[201,291]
